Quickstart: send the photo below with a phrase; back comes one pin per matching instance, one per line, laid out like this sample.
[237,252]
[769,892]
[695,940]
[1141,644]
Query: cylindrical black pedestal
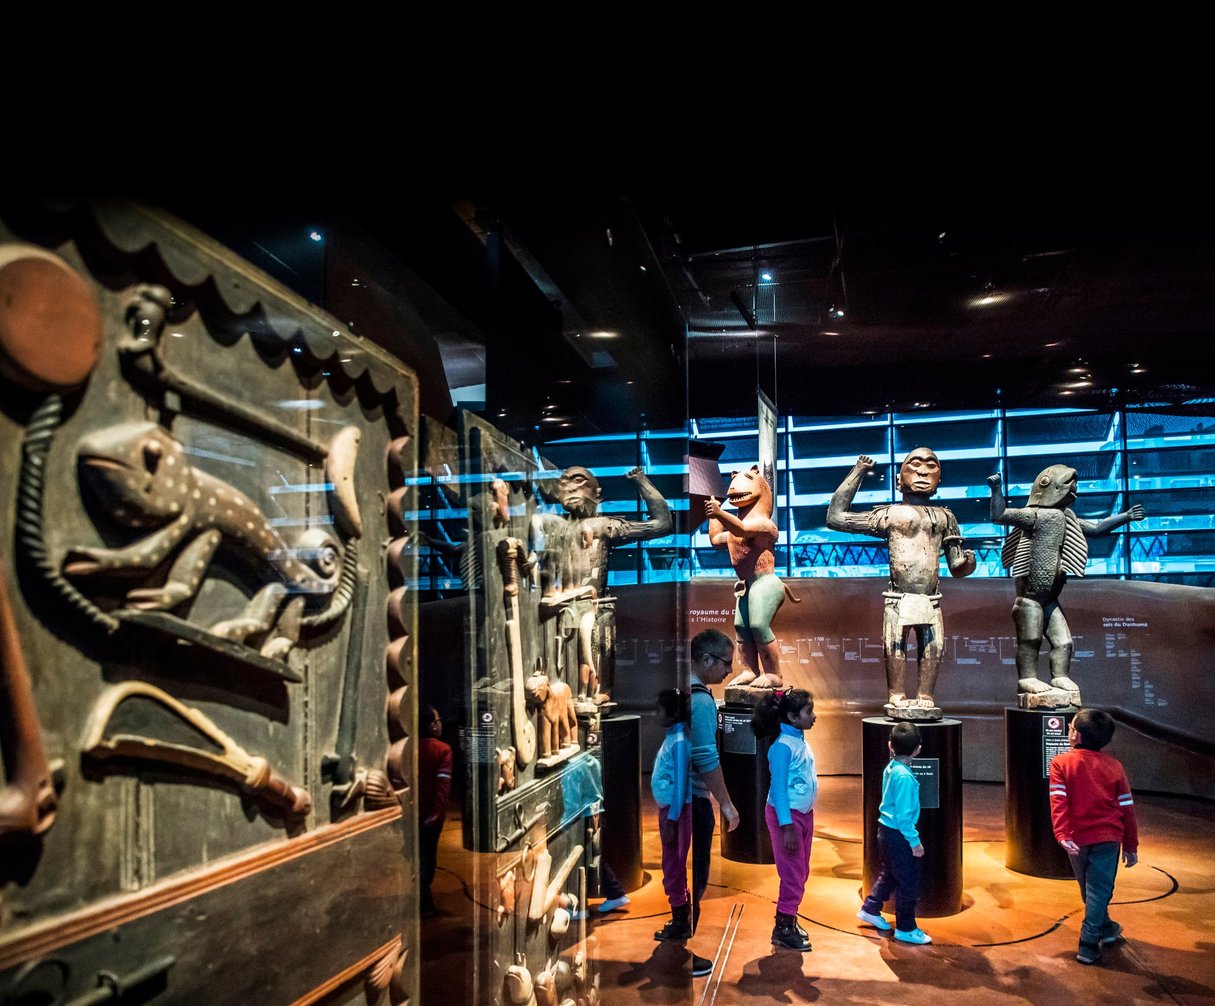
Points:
[744,767]
[620,737]
[1032,738]
[939,770]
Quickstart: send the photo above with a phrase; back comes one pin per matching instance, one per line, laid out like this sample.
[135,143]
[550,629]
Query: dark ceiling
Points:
[597,313]
[846,307]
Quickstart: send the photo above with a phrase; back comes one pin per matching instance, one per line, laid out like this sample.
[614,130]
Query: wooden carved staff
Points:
[512,555]
[233,762]
[28,801]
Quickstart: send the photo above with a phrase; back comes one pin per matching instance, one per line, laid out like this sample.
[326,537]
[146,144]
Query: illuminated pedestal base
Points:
[1032,738]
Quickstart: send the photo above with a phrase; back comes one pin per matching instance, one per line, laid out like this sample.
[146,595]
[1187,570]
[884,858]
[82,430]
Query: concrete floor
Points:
[1013,942]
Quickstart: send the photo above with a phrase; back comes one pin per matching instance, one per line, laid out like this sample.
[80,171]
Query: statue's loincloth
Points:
[912,609]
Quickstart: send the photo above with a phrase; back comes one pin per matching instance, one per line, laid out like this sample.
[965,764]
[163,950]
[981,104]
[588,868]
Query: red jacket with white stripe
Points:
[1090,800]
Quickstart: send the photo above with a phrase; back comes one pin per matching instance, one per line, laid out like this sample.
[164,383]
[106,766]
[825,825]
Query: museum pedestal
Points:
[939,770]
[620,740]
[1032,738]
[744,767]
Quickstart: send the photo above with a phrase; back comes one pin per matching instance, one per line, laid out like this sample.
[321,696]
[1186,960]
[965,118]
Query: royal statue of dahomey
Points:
[750,538]
[917,533]
[1047,543]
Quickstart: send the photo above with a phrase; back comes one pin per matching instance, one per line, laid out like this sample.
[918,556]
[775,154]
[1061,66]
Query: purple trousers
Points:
[792,867]
[675,856]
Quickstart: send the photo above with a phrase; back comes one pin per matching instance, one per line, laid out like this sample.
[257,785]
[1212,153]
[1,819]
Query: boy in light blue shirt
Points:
[899,841]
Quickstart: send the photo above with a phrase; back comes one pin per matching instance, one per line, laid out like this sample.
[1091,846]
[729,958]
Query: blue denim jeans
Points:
[1095,867]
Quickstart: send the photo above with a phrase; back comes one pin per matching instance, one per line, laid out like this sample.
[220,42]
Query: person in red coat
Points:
[1093,814]
[434,791]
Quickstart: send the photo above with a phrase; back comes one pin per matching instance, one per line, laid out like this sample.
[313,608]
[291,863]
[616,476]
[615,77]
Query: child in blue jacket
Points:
[899,841]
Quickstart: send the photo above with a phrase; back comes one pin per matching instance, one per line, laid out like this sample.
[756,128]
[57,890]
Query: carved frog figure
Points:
[140,472]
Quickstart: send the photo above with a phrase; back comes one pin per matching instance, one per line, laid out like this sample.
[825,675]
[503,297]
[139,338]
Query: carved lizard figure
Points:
[139,470]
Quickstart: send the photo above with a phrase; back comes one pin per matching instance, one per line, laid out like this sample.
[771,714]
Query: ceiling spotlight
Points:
[643,268]
[830,333]
[315,235]
[1051,345]
[835,312]
[986,356]
[766,277]
[602,334]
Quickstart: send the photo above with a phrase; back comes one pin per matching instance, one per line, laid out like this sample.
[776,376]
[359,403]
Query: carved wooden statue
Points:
[916,532]
[572,554]
[750,538]
[1046,544]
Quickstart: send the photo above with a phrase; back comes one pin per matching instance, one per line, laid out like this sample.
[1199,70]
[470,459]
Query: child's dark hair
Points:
[1094,727]
[773,710]
[904,738]
[674,703]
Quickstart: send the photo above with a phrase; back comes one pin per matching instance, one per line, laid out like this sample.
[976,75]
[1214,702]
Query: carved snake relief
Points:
[139,471]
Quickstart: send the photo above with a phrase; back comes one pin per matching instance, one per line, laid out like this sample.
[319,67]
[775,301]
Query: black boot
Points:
[678,929]
[788,934]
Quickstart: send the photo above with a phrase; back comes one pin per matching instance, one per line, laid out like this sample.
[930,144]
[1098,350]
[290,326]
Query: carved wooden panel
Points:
[534,772]
[203,580]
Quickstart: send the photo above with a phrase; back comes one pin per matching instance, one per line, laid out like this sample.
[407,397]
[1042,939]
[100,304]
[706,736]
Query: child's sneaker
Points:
[612,904]
[1090,953]
[701,966]
[914,936]
[874,920]
[1113,933]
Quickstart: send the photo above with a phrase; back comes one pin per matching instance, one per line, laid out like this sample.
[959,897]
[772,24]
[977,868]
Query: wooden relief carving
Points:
[50,321]
[139,471]
[558,722]
[171,596]
[513,564]
[215,753]
[28,800]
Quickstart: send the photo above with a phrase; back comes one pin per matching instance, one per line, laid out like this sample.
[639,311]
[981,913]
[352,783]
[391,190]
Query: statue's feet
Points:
[922,702]
[898,700]
[1066,684]
[1032,686]
[745,678]
[601,698]
[767,681]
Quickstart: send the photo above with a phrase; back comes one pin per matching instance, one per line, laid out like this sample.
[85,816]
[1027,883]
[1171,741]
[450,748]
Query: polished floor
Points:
[1013,942]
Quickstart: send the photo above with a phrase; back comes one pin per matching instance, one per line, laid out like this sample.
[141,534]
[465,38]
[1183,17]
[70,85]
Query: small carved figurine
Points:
[1046,544]
[750,538]
[506,769]
[558,723]
[916,532]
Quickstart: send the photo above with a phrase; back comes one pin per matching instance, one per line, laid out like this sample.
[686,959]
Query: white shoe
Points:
[614,903]
[915,936]
[874,920]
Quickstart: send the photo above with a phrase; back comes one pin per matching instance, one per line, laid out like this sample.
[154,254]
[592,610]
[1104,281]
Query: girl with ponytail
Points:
[782,718]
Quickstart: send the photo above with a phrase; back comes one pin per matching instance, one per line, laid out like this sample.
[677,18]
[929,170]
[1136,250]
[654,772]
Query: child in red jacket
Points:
[1093,815]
